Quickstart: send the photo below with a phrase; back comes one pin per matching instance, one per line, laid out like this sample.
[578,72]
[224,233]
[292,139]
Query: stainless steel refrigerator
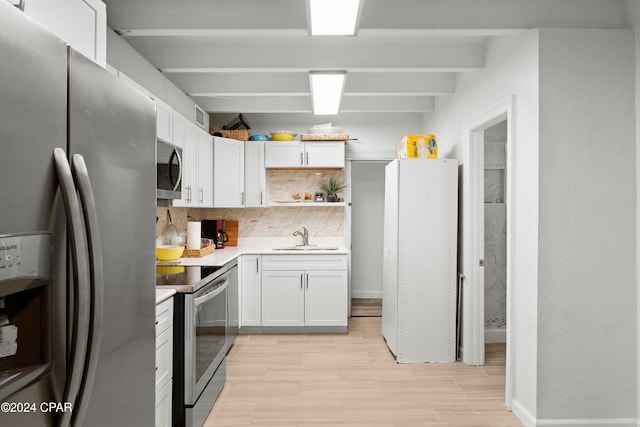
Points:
[77,232]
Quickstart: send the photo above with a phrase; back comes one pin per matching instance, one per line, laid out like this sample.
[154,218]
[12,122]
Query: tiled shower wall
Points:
[495,237]
[273,221]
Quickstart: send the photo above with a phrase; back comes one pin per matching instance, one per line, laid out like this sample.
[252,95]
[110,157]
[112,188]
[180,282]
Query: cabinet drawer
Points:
[163,406]
[164,316]
[304,262]
[164,353]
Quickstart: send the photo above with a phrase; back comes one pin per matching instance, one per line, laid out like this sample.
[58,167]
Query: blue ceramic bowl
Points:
[258,137]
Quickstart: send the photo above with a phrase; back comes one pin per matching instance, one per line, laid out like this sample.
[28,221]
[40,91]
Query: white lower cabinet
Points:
[304,290]
[250,290]
[164,362]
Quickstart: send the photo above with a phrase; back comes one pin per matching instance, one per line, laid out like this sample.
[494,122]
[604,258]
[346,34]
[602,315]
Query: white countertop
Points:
[164,294]
[263,246]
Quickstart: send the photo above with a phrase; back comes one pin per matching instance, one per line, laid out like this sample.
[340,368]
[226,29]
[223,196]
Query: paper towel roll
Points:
[193,235]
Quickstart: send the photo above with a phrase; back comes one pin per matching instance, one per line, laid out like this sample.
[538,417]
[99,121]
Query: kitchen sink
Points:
[306,248]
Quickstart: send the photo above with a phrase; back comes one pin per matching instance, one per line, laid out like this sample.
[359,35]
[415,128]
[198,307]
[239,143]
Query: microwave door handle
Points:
[80,317]
[81,177]
[211,294]
[176,181]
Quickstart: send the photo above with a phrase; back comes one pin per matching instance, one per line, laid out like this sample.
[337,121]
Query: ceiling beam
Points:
[297,84]
[188,54]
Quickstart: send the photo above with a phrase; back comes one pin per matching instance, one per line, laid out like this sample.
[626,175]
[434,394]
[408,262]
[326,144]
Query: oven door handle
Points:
[209,295]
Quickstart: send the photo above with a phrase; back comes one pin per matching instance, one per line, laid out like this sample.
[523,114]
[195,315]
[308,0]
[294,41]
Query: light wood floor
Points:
[352,380]
[366,307]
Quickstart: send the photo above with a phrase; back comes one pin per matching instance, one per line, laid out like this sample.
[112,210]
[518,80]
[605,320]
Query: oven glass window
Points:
[210,321]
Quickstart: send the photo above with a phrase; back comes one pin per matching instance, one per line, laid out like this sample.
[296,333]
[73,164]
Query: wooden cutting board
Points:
[231,228]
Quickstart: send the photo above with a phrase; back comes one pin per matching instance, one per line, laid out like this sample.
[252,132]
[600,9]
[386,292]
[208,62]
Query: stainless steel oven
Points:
[204,317]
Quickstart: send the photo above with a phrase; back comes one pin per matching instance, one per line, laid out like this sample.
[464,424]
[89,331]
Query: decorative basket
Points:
[239,134]
[199,253]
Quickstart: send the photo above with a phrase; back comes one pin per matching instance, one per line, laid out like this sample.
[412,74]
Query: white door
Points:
[325,154]
[189,168]
[390,256]
[254,174]
[205,170]
[250,290]
[325,302]
[282,298]
[228,173]
[284,154]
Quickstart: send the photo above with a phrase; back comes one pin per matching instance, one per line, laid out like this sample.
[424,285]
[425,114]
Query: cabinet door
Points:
[163,406]
[164,358]
[282,298]
[324,154]
[250,291]
[205,169]
[80,23]
[178,124]
[228,173]
[284,154]
[163,121]
[254,174]
[325,298]
[189,168]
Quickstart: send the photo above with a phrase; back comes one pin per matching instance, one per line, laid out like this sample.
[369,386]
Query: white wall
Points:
[123,57]
[378,134]
[511,71]
[587,226]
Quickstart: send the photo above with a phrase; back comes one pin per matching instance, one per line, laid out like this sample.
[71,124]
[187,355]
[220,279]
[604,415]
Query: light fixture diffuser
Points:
[334,17]
[326,91]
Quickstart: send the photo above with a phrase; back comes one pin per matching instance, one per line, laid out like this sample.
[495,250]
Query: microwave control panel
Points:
[25,256]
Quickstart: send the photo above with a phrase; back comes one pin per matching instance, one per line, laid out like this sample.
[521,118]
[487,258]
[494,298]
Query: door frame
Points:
[473,237]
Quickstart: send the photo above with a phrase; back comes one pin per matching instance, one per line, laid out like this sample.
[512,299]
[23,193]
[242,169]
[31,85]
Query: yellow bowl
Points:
[283,136]
[169,252]
[169,269]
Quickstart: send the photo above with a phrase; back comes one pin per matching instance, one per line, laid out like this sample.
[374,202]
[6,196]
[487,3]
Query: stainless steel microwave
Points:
[169,167]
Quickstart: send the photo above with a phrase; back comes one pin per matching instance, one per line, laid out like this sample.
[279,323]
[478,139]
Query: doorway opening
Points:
[367,208]
[486,245]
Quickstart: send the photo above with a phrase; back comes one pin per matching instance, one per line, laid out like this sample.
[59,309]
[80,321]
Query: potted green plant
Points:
[331,188]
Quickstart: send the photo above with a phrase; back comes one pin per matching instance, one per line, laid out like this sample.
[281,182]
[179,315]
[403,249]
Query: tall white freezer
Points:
[420,256]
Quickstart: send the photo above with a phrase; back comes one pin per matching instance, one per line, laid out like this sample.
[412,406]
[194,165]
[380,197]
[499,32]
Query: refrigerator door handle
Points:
[81,177]
[80,272]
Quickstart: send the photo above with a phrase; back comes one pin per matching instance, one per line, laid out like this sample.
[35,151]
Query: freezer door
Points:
[113,127]
[390,256]
[33,110]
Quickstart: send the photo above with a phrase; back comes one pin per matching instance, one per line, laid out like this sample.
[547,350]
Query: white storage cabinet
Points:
[304,154]
[250,290]
[228,173]
[255,175]
[82,24]
[164,362]
[197,160]
[304,290]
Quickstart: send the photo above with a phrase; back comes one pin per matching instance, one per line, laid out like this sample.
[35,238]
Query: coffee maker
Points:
[214,229]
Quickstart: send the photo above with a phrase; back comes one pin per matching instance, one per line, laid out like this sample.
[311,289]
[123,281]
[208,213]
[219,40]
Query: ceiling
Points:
[254,56]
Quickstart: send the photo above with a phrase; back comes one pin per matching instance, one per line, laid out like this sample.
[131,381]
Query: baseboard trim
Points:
[530,421]
[366,294]
[602,422]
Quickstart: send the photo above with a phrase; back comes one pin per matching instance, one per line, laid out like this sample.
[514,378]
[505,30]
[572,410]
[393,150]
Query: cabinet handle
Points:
[201,195]
[257,266]
[301,159]
[307,157]
[300,280]
[307,280]
[242,198]
[261,198]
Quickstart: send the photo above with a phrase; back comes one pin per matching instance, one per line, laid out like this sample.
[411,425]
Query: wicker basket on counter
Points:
[239,134]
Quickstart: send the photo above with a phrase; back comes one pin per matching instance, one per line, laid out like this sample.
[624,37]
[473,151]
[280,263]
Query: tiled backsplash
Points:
[273,221]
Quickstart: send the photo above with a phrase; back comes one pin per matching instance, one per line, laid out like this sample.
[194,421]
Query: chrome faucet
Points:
[304,235]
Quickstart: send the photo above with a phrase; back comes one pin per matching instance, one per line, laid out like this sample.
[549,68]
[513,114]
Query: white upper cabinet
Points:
[164,121]
[255,176]
[197,159]
[301,154]
[80,23]
[228,173]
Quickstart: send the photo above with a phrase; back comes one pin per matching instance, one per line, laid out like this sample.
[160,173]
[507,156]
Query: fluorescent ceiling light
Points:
[326,91]
[334,17]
